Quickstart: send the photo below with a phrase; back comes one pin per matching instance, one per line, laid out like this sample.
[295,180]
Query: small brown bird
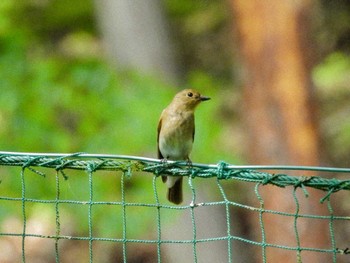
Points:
[176,134]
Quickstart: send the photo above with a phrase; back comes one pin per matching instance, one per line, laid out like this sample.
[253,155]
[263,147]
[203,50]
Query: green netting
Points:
[126,166]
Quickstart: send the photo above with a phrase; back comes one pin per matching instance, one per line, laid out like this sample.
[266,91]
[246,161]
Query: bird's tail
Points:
[175,192]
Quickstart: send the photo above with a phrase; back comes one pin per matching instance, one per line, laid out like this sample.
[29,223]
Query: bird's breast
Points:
[176,136]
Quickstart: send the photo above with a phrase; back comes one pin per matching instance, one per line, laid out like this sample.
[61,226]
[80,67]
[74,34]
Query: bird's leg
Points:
[189,162]
[164,162]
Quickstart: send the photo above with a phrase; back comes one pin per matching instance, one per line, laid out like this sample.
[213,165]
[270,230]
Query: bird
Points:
[176,129]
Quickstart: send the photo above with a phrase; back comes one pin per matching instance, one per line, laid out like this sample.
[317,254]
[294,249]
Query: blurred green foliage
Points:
[332,78]
[59,95]
[203,36]
[334,26]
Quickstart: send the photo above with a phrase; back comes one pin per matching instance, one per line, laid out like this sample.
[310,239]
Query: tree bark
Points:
[280,114]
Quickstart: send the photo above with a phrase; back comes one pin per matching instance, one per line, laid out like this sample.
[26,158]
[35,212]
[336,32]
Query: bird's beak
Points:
[204,98]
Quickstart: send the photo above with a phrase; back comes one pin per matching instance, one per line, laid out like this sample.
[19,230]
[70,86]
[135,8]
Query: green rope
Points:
[128,165]
[90,170]
[159,233]
[261,222]
[228,221]
[58,225]
[331,229]
[124,217]
[296,216]
[23,185]
[248,174]
[193,204]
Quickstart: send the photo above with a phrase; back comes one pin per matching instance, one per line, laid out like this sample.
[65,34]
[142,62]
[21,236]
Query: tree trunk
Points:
[280,114]
[136,36]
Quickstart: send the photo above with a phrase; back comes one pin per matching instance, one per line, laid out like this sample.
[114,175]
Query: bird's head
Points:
[189,98]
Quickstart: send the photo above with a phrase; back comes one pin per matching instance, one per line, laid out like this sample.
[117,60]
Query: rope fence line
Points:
[92,163]
[221,171]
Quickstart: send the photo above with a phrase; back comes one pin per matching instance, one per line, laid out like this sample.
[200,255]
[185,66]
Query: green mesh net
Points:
[27,169]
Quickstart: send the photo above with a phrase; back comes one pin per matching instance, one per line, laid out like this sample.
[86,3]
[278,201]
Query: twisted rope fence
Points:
[129,165]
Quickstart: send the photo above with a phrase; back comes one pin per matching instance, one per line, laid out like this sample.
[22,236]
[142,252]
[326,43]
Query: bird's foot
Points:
[164,161]
[189,163]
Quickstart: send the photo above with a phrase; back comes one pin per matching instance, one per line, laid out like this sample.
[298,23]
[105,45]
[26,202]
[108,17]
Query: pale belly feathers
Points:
[175,142]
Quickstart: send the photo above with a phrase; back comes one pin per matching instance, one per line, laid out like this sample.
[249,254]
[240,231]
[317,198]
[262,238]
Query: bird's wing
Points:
[193,130]
[160,156]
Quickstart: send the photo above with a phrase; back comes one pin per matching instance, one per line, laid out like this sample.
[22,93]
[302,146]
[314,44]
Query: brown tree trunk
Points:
[280,114]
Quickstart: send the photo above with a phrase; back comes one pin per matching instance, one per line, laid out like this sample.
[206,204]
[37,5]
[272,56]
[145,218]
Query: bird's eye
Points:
[190,94]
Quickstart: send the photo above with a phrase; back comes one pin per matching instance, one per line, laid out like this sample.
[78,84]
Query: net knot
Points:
[29,163]
[335,187]
[220,172]
[302,180]
[93,166]
[269,179]
[301,183]
[127,169]
[194,172]
[159,168]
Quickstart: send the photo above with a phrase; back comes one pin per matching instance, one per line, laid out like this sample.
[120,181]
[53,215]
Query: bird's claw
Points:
[189,163]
